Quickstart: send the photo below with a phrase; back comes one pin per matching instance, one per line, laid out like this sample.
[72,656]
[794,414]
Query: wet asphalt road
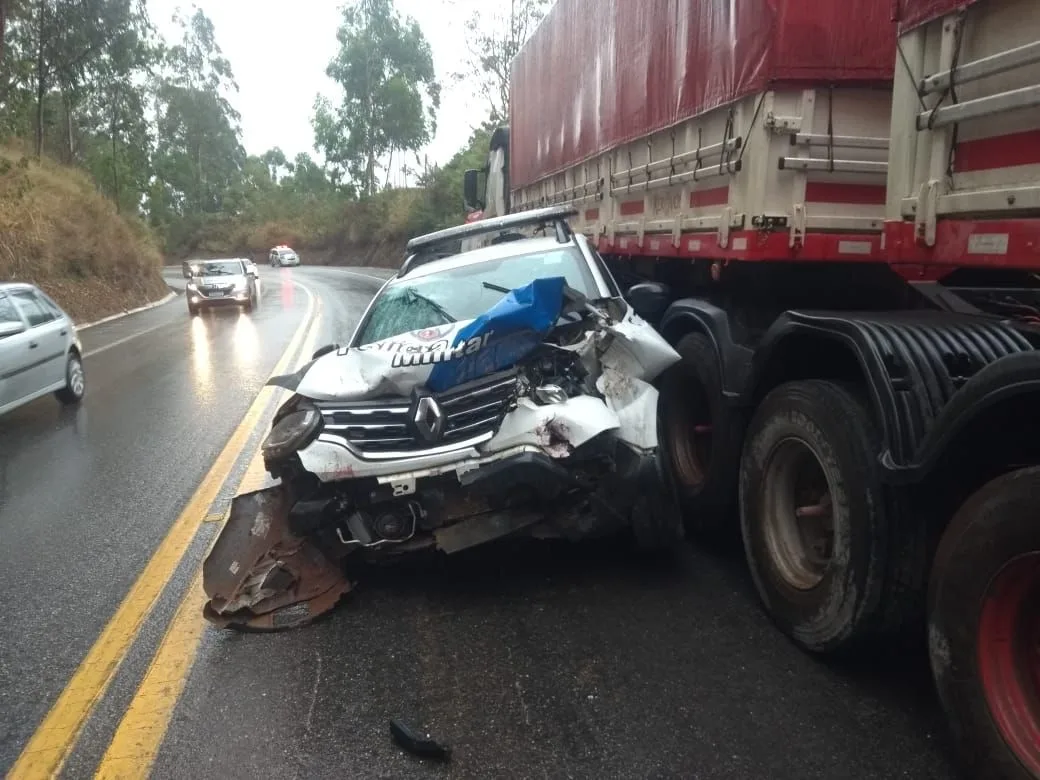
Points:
[531,660]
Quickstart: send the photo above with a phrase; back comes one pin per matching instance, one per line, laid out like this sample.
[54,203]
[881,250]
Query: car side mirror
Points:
[649,299]
[10,329]
[471,189]
[324,351]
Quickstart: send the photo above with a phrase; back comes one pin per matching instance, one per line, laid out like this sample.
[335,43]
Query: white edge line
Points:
[169,297]
[123,340]
[365,276]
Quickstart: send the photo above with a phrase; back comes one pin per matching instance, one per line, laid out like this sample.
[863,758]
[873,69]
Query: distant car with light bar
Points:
[282,256]
[221,283]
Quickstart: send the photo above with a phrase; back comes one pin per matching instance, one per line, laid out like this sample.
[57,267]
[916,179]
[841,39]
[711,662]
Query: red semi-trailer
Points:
[832,210]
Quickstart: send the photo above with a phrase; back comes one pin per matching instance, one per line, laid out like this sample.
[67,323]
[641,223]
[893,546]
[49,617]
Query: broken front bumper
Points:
[260,576]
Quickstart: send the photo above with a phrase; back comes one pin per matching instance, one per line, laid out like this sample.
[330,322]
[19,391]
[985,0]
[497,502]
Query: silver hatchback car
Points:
[40,352]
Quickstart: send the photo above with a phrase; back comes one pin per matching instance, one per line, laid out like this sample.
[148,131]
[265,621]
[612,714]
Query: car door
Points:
[15,355]
[48,334]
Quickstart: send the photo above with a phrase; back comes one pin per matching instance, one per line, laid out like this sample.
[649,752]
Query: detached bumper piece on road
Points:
[546,436]
[260,576]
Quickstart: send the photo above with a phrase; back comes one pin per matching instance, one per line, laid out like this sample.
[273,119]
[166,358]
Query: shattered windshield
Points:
[467,292]
[227,268]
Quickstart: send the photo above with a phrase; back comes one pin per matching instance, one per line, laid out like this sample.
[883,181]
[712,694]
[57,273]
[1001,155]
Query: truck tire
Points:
[829,563]
[984,627]
[700,438]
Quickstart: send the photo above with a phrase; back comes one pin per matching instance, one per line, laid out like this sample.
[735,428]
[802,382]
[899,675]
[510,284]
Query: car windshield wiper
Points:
[412,296]
[496,288]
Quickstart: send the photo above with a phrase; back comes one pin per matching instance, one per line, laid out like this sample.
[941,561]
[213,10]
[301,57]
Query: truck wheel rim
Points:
[1009,656]
[691,438]
[798,514]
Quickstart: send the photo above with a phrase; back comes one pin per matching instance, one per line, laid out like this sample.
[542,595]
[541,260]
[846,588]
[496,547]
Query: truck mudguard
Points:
[929,373]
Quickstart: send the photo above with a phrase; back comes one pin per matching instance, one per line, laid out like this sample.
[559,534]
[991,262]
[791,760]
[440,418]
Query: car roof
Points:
[17,286]
[515,248]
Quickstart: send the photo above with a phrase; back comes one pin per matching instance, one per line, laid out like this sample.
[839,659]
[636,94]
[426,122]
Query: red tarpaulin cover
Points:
[598,73]
[911,13]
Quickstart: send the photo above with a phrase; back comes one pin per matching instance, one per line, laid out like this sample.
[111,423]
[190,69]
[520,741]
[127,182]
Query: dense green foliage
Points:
[390,92]
[151,122]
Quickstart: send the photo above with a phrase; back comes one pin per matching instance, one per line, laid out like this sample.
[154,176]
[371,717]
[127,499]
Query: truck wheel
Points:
[984,627]
[700,440]
[816,521]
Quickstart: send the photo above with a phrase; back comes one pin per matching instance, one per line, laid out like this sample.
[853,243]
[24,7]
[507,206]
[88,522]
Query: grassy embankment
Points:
[371,232]
[58,232]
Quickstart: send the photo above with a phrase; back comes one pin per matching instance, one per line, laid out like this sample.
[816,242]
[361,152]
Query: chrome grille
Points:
[386,428]
[211,289]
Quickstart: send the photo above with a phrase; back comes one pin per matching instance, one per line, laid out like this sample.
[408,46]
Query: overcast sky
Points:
[279,51]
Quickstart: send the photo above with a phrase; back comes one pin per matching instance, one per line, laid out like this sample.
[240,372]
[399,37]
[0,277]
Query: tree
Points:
[275,161]
[390,91]
[4,5]
[57,54]
[119,138]
[494,38]
[199,155]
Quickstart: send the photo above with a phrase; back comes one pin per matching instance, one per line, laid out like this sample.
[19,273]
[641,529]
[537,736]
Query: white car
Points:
[282,256]
[40,352]
[503,391]
[221,283]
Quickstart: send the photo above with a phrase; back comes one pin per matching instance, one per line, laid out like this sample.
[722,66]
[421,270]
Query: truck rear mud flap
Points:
[261,577]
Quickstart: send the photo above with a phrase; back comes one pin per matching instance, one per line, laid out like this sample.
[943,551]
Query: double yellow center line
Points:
[137,740]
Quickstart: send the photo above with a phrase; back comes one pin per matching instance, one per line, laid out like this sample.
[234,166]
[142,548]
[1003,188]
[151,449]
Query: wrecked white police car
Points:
[494,392]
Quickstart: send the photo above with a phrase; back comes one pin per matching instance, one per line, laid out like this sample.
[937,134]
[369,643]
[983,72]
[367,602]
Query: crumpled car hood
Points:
[442,357]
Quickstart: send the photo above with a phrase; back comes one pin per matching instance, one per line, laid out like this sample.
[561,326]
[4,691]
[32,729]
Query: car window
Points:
[36,313]
[222,268]
[461,293]
[8,313]
[50,304]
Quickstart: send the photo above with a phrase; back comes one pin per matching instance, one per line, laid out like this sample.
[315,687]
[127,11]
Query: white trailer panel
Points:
[764,178]
[965,147]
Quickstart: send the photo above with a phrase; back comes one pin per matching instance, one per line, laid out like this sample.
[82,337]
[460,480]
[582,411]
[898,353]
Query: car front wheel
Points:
[75,380]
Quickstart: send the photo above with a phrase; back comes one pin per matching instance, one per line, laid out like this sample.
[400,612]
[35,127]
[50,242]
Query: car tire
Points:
[983,627]
[247,306]
[656,517]
[193,311]
[75,380]
[810,479]
[701,439]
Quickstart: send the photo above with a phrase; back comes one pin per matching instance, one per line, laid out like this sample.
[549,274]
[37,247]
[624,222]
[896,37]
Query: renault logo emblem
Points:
[429,418]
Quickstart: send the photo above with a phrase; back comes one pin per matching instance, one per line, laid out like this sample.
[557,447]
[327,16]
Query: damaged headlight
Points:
[550,394]
[290,433]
